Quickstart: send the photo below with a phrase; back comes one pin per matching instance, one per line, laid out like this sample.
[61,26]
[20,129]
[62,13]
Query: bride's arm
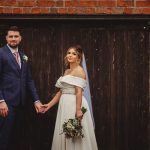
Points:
[79,113]
[54,101]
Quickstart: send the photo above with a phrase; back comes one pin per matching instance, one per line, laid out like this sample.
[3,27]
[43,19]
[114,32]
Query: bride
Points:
[71,100]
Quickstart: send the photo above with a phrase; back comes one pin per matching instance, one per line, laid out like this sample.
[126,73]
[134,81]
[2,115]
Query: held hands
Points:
[41,108]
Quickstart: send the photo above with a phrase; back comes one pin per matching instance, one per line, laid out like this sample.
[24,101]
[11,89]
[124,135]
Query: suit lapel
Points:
[12,58]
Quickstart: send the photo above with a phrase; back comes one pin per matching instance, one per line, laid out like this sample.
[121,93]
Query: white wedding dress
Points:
[66,110]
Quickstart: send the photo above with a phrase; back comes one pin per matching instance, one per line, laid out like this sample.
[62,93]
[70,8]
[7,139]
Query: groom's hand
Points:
[39,107]
[3,109]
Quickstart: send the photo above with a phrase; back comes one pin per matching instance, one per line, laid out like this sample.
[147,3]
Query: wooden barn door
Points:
[117,56]
[118,64]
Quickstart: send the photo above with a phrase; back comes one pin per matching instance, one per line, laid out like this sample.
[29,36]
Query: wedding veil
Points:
[87,93]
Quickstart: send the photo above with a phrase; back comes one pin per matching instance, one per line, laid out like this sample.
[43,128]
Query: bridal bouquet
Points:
[73,128]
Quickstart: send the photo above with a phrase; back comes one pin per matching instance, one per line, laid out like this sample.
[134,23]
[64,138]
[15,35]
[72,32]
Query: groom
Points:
[15,80]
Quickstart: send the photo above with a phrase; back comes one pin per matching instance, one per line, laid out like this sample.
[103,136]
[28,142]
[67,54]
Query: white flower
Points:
[25,58]
[69,125]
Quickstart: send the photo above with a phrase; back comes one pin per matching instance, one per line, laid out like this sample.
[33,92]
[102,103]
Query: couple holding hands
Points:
[16,80]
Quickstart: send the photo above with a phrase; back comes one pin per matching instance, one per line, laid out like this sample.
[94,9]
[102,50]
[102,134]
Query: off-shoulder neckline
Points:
[74,77]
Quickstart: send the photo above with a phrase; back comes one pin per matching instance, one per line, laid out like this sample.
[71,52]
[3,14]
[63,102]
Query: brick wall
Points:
[74,6]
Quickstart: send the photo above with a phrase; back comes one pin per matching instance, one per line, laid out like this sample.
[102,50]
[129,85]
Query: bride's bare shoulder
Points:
[79,72]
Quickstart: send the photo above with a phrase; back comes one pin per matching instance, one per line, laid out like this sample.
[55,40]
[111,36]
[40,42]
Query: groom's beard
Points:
[13,46]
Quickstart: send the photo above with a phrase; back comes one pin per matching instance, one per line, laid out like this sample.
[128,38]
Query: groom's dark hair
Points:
[13,28]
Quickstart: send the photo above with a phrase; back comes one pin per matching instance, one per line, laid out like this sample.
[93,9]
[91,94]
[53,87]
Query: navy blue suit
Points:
[14,83]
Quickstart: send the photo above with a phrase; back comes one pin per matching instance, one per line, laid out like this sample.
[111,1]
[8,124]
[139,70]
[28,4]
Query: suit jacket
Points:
[15,81]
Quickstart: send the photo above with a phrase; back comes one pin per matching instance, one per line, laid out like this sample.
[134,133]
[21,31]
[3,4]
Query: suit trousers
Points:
[6,128]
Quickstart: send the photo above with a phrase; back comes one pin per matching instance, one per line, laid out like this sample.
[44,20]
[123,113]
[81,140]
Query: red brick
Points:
[146,10]
[1,10]
[128,10]
[2,3]
[71,3]
[85,10]
[80,10]
[108,3]
[99,10]
[125,1]
[53,10]
[26,10]
[46,3]
[44,10]
[89,0]
[50,3]
[104,10]
[89,11]
[20,0]
[72,10]
[117,10]
[88,3]
[7,10]
[27,3]
[142,4]
[109,10]
[75,6]
[35,10]
[142,0]
[122,3]
[141,10]
[59,4]
[77,10]
[63,10]
[17,11]
[8,3]
[137,11]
